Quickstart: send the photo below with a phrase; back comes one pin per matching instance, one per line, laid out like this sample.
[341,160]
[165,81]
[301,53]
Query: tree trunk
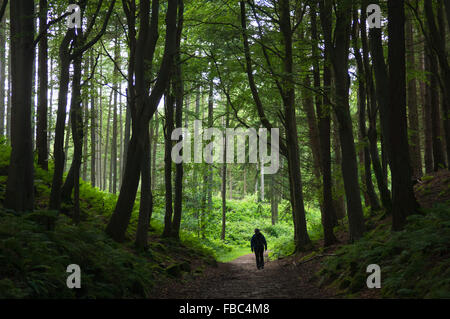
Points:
[403,200]
[19,194]
[94,120]
[427,116]
[323,115]
[77,134]
[154,149]
[362,99]
[224,178]
[8,103]
[58,151]
[438,150]
[114,129]
[146,202]
[273,200]
[437,41]
[168,128]
[413,114]
[179,97]
[120,158]
[105,160]
[302,237]
[339,59]
[2,74]
[121,216]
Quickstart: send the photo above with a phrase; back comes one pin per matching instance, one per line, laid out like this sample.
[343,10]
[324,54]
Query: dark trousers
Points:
[259,253]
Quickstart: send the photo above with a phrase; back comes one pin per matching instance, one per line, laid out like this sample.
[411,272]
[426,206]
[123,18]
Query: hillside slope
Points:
[36,248]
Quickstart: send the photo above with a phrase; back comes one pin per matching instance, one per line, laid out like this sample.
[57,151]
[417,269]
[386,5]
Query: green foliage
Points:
[414,262]
[37,247]
[34,260]
[243,216]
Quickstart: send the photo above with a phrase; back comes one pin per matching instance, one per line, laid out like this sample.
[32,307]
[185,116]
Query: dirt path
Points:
[239,279]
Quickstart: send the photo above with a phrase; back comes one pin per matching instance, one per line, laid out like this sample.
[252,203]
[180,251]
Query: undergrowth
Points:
[414,262]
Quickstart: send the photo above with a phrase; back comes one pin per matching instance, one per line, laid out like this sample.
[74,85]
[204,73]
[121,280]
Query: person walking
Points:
[258,245]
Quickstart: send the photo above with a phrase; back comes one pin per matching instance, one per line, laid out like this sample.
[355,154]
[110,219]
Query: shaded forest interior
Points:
[359,91]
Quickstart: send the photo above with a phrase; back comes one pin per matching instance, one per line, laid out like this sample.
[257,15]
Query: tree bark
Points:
[2,74]
[94,120]
[339,59]
[168,128]
[105,160]
[140,118]
[362,100]
[19,194]
[323,115]
[437,40]
[179,97]
[403,199]
[413,114]
[436,136]
[427,116]
[302,238]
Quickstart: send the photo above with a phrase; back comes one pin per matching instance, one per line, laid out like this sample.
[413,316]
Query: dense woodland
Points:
[88,112]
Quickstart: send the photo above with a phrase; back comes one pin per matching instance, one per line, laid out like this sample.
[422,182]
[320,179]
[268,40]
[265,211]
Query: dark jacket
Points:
[258,241]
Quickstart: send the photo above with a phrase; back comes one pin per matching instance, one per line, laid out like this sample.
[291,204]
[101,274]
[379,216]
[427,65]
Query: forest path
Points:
[239,279]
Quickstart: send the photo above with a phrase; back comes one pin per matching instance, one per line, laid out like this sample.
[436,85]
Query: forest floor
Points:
[292,277]
[240,279]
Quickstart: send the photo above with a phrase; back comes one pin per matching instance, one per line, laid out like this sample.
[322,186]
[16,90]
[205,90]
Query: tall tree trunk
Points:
[141,116]
[438,150]
[19,194]
[146,202]
[179,97]
[94,120]
[308,105]
[339,59]
[50,112]
[362,100]
[100,132]
[338,184]
[2,74]
[224,178]
[273,200]
[427,116]
[168,128]
[85,119]
[403,200]
[413,114]
[302,237]
[8,96]
[67,140]
[210,124]
[120,162]
[77,133]
[437,41]
[245,181]
[58,148]
[154,149]
[323,115]
[105,160]
[114,129]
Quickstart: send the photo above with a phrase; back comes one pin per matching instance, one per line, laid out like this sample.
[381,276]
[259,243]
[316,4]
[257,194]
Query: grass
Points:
[234,254]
